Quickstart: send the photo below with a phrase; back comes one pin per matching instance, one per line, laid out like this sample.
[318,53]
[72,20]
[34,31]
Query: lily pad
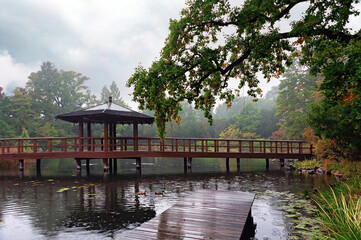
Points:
[63,190]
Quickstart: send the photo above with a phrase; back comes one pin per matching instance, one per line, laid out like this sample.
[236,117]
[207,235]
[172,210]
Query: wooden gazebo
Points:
[108,114]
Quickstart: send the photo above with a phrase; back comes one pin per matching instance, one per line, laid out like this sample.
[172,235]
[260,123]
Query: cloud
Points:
[13,74]
[102,40]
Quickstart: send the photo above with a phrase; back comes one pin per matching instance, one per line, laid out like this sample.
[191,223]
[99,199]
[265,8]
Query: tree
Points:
[6,123]
[338,114]
[215,41]
[104,95]
[340,123]
[55,92]
[19,111]
[297,91]
[248,119]
[114,93]
[231,133]
[272,94]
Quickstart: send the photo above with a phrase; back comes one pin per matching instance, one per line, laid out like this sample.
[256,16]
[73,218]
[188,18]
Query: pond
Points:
[64,203]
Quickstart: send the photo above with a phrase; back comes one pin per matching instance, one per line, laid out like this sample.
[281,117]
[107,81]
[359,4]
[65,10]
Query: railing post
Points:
[189,145]
[49,145]
[19,146]
[176,145]
[311,149]
[264,147]
[215,145]
[300,148]
[65,145]
[202,145]
[239,146]
[35,146]
[288,147]
[8,146]
[281,147]
[2,147]
[149,144]
[228,148]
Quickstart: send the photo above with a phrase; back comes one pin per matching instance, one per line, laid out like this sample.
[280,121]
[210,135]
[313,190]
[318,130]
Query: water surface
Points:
[63,203]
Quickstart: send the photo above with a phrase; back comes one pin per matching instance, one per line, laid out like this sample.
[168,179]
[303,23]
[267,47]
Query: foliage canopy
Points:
[214,41]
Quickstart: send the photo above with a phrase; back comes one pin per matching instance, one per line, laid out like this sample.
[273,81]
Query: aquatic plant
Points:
[340,212]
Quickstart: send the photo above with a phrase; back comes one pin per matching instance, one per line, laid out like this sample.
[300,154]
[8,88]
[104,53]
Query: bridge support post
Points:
[105,165]
[267,164]
[115,163]
[87,161]
[110,162]
[21,165]
[185,164]
[282,161]
[238,164]
[38,169]
[227,165]
[78,163]
[138,163]
[189,163]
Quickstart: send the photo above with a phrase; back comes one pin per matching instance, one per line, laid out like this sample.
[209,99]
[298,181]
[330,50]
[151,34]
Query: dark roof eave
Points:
[109,116]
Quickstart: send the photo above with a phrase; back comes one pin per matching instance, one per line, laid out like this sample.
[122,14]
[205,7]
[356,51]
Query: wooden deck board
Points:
[203,215]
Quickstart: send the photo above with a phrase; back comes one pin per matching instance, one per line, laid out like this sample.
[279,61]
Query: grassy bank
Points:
[340,205]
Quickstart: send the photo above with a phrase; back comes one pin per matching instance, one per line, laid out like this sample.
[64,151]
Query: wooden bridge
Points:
[112,148]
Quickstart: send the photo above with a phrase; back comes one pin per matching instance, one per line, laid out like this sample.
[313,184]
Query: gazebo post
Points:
[110,160]
[81,135]
[106,137]
[89,135]
[106,148]
[135,136]
[115,147]
[80,139]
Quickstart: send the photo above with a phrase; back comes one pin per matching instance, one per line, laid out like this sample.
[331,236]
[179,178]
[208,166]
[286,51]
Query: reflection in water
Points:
[62,204]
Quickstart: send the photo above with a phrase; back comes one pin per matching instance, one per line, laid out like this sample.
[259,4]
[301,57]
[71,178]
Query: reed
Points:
[340,212]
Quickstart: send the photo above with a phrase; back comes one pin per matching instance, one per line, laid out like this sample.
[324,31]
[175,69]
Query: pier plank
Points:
[203,215]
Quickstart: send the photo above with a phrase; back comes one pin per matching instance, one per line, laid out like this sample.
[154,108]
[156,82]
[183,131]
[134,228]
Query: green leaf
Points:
[63,190]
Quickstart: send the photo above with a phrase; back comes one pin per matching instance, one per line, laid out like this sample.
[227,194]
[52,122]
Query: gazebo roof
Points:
[107,113]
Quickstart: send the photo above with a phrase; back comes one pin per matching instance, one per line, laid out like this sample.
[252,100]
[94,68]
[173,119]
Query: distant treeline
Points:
[31,111]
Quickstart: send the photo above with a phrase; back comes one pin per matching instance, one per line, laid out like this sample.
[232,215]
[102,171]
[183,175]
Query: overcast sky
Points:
[103,40]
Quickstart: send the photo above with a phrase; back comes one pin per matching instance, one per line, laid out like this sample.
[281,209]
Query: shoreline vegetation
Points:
[339,206]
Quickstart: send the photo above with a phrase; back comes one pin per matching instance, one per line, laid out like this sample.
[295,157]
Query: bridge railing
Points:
[97,144]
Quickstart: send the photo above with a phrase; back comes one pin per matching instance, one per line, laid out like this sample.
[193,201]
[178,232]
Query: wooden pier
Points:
[203,215]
